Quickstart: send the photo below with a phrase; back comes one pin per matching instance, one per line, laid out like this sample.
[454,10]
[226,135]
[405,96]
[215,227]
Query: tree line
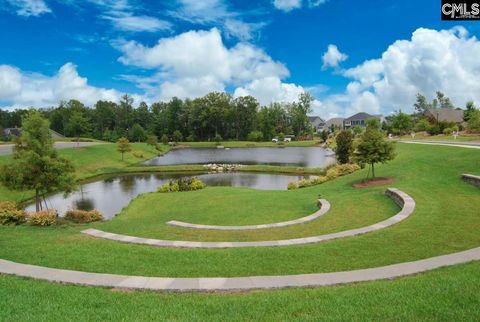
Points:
[214,116]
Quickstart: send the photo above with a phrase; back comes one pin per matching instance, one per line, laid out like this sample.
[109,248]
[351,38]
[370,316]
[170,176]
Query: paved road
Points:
[7,148]
[470,145]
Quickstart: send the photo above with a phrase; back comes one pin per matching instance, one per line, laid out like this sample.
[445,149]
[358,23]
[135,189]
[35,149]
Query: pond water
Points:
[289,156]
[110,195]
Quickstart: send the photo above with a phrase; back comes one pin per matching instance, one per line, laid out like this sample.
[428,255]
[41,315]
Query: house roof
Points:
[446,114]
[359,116]
[315,118]
[335,121]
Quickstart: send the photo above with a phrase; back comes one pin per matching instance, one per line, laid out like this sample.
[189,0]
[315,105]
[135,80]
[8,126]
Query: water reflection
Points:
[112,194]
[292,156]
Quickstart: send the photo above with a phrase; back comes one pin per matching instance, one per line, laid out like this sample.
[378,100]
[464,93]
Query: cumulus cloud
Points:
[19,89]
[332,57]
[197,62]
[432,60]
[287,5]
[270,89]
[29,8]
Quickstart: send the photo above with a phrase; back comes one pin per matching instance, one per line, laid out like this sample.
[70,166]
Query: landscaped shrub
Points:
[83,216]
[184,184]
[42,218]
[332,173]
[138,154]
[10,215]
[255,136]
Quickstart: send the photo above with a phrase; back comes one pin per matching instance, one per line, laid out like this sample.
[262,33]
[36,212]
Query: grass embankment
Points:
[445,220]
[89,162]
[448,294]
[250,144]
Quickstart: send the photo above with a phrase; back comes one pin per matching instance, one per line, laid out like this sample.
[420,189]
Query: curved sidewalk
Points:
[323,204]
[399,197]
[236,283]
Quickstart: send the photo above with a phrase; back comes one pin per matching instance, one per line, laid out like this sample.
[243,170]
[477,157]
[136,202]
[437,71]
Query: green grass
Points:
[448,294]
[89,162]
[446,220]
[249,144]
[461,138]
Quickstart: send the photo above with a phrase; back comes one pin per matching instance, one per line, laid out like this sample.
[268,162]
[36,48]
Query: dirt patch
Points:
[373,182]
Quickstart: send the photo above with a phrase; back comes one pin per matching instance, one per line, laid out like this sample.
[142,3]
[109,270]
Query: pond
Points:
[289,156]
[110,195]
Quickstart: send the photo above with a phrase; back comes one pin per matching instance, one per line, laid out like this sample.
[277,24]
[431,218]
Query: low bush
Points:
[184,184]
[42,218]
[138,154]
[83,216]
[332,173]
[10,215]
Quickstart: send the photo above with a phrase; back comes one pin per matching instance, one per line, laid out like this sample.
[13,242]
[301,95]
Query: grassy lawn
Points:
[448,294]
[461,138]
[446,220]
[91,161]
[249,144]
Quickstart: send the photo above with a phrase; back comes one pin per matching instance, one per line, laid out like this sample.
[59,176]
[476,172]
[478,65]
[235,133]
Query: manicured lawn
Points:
[466,138]
[249,144]
[446,220]
[91,161]
[448,294]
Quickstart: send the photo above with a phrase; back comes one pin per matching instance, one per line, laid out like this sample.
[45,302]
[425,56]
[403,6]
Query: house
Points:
[317,123]
[445,115]
[359,119]
[11,132]
[334,123]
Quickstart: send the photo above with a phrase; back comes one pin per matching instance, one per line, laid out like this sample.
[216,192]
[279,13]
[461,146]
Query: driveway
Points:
[7,149]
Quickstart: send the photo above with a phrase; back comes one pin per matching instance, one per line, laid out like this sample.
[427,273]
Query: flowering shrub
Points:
[42,218]
[9,214]
[83,216]
[332,173]
[184,184]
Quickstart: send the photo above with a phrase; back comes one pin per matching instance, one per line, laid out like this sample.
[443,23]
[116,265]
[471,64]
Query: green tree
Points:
[123,146]
[152,140]
[137,133]
[35,164]
[324,135]
[470,107]
[343,150]
[298,112]
[373,148]
[177,136]
[401,123]
[473,124]
[421,105]
[77,125]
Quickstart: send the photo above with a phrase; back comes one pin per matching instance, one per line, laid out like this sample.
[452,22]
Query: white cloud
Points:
[217,13]
[128,22]
[332,57]
[287,5]
[31,89]
[29,8]
[198,62]
[270,89]
[432,60]
[10,81]
[445,60]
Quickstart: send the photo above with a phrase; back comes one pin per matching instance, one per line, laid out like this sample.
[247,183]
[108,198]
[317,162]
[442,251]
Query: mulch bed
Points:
[373,182]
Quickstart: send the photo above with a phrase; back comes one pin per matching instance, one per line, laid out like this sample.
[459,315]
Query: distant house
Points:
[317,123]
[360,119]
[11,132]
[445,114]
[15,131]
[334,123]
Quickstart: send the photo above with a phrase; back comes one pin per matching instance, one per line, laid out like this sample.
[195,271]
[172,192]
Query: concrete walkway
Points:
[468,145]
[322,203]
[401,198]
[236,283]
[7,149]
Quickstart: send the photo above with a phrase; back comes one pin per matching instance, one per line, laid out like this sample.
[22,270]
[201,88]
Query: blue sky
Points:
[352,55]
